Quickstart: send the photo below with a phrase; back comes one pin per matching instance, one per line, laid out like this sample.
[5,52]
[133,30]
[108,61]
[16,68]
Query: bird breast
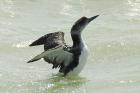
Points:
[82,60]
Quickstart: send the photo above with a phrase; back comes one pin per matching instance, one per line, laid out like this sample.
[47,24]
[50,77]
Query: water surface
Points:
[113,40]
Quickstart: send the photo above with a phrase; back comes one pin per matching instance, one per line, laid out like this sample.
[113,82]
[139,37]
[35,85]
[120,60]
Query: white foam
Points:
[22,44]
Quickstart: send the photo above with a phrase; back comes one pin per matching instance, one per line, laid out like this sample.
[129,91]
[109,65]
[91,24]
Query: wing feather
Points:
[57,57]
[50,40]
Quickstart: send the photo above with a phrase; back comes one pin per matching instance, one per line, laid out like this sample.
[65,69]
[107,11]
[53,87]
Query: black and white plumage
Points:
[68,59]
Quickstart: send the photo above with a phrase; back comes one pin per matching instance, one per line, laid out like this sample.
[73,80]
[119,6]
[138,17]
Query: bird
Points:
[70,59]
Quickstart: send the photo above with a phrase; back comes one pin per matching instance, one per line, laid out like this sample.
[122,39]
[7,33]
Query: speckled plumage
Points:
[68,59]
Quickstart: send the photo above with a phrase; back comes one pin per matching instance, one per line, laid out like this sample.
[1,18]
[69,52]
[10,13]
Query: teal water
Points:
[113,40]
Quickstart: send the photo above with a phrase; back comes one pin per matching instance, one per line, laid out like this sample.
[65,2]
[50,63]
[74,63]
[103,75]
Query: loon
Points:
[69,59]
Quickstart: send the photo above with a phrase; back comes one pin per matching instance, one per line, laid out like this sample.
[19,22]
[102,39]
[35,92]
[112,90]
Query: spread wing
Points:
[58,57]
[50,40]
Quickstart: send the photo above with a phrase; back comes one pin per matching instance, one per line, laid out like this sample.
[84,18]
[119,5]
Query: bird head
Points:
[81,24]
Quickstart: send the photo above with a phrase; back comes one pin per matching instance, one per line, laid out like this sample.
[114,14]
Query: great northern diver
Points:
[69,59]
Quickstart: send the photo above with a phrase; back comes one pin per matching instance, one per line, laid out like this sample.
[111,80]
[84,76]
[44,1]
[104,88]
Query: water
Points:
[113,40]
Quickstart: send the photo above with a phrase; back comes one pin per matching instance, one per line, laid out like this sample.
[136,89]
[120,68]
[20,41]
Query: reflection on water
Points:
[22,44]
[52,84]
[7,7]
[56,84]
[134,7]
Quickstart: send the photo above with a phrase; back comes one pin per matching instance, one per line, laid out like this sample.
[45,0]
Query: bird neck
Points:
[77,39]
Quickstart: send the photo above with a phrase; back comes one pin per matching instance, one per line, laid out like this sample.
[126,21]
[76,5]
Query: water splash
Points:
[22,44]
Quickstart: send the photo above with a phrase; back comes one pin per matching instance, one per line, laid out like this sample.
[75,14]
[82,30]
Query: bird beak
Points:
[90,19]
